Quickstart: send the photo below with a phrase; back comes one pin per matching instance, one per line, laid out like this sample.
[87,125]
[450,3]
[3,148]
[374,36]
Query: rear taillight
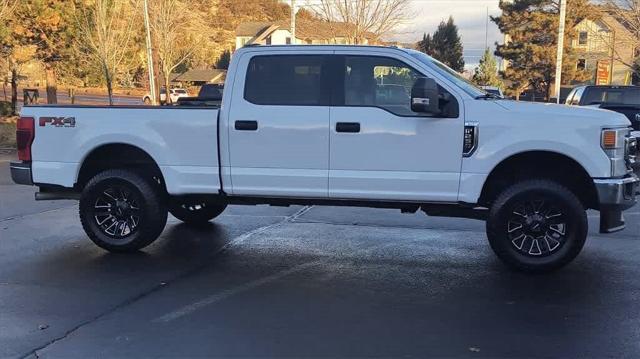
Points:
[25,133]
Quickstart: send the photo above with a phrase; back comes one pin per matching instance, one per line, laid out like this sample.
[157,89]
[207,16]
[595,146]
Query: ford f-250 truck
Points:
[339,125]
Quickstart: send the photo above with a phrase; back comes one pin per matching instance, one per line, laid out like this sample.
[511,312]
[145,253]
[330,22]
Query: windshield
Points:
[442,69]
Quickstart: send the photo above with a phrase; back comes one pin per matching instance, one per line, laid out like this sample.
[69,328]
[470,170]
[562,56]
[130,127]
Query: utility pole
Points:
[486,30]
[152,81]
[563,14]
[293,22]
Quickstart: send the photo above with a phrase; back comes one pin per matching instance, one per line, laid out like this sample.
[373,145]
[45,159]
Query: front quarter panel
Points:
[504,132]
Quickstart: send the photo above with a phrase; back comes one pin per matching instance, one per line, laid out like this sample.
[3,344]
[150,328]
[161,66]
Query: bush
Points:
[5,108]
[7,135]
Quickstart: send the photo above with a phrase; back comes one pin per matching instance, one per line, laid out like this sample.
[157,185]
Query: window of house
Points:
[268,40]
[581,65]
[288,80]
[583,37]
[288,41]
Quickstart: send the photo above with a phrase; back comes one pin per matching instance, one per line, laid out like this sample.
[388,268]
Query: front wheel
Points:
[537,226]
[121,211]
[196,212]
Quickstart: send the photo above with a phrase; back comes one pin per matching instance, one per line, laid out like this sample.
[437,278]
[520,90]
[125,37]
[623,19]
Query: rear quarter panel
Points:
[182,141]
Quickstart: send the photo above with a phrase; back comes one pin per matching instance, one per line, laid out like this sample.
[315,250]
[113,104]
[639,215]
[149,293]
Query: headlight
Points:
[615,143]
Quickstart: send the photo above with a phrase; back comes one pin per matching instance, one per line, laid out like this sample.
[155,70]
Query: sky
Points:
[469,15]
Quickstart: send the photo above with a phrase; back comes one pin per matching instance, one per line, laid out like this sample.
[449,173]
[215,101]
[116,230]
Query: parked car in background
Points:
[174,95]
[493,90]
[209,95]
[622,99]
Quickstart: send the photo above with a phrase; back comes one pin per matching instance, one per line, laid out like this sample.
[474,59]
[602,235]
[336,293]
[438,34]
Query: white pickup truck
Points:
[339,125]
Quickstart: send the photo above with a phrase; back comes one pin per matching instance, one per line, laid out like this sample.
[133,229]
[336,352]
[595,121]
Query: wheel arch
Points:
[540,164]
[117,155]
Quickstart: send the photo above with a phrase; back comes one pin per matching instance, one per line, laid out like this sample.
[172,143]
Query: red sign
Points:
[602,73]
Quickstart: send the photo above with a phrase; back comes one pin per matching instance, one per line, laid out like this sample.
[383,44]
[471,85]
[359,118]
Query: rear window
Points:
[618,96]
[288,80]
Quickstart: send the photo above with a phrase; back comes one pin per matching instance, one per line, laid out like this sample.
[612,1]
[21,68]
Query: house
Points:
[307,32]
[605,48]
[199,77]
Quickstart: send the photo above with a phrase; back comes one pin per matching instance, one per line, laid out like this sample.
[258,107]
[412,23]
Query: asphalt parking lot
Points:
[299,281]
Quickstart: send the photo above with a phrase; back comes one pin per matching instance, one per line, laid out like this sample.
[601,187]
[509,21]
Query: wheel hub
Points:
[116,212]
[537,228]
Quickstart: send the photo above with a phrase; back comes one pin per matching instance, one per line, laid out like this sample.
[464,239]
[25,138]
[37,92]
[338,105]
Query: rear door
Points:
[380,149]
[279,125]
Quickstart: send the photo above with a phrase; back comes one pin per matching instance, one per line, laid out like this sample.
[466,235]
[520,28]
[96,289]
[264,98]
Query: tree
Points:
[486,74]
[364,17]
[176,33]
[47,25]
[530,51]
[425,45]
[224,60]
[106,30]
[446,45]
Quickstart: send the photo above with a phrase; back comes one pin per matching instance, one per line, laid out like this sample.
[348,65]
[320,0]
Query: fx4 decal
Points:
[57,121]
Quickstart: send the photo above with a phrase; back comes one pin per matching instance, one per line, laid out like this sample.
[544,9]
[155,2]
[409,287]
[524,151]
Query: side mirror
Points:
[425,96]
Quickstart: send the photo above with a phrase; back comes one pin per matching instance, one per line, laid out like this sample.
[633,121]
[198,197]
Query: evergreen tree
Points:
[530,50]
[447,46]
[425,45]
[486,74]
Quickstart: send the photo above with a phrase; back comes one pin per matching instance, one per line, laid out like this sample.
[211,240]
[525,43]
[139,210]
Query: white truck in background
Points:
[339,125]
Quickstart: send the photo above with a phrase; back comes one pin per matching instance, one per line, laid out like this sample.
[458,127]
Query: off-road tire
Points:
[541,257]
[151,211]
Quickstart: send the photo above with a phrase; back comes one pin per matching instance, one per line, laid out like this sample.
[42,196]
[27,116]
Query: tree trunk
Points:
[52,87]
[109,81]
[14,91]
[167,98]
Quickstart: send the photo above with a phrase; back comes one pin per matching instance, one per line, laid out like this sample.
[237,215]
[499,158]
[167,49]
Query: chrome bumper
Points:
[21,173]
[615,195]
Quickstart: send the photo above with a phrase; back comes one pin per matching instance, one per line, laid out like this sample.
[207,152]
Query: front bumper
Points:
[616,195]
[21,173]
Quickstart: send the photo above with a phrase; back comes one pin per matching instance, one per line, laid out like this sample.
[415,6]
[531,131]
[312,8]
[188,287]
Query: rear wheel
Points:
[196,212]
[537,226]
[121,211]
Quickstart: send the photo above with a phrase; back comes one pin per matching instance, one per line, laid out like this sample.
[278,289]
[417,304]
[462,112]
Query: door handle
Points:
[246,125]
[349,127]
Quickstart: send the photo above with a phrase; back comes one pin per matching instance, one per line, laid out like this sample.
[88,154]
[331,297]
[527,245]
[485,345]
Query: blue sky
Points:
[469,15]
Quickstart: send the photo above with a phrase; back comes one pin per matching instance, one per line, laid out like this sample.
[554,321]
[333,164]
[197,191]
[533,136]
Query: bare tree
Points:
[362,18]
[177,33]
[106,29]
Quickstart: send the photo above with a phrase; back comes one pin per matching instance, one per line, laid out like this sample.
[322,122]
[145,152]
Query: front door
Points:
[279,126]
[379,148]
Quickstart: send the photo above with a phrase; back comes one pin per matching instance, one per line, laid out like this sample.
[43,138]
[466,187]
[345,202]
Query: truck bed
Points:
[65,135]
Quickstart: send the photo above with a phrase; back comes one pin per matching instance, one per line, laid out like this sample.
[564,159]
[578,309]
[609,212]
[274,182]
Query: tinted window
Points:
[288,80]
[380,82]
[211,91]
[620,96]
